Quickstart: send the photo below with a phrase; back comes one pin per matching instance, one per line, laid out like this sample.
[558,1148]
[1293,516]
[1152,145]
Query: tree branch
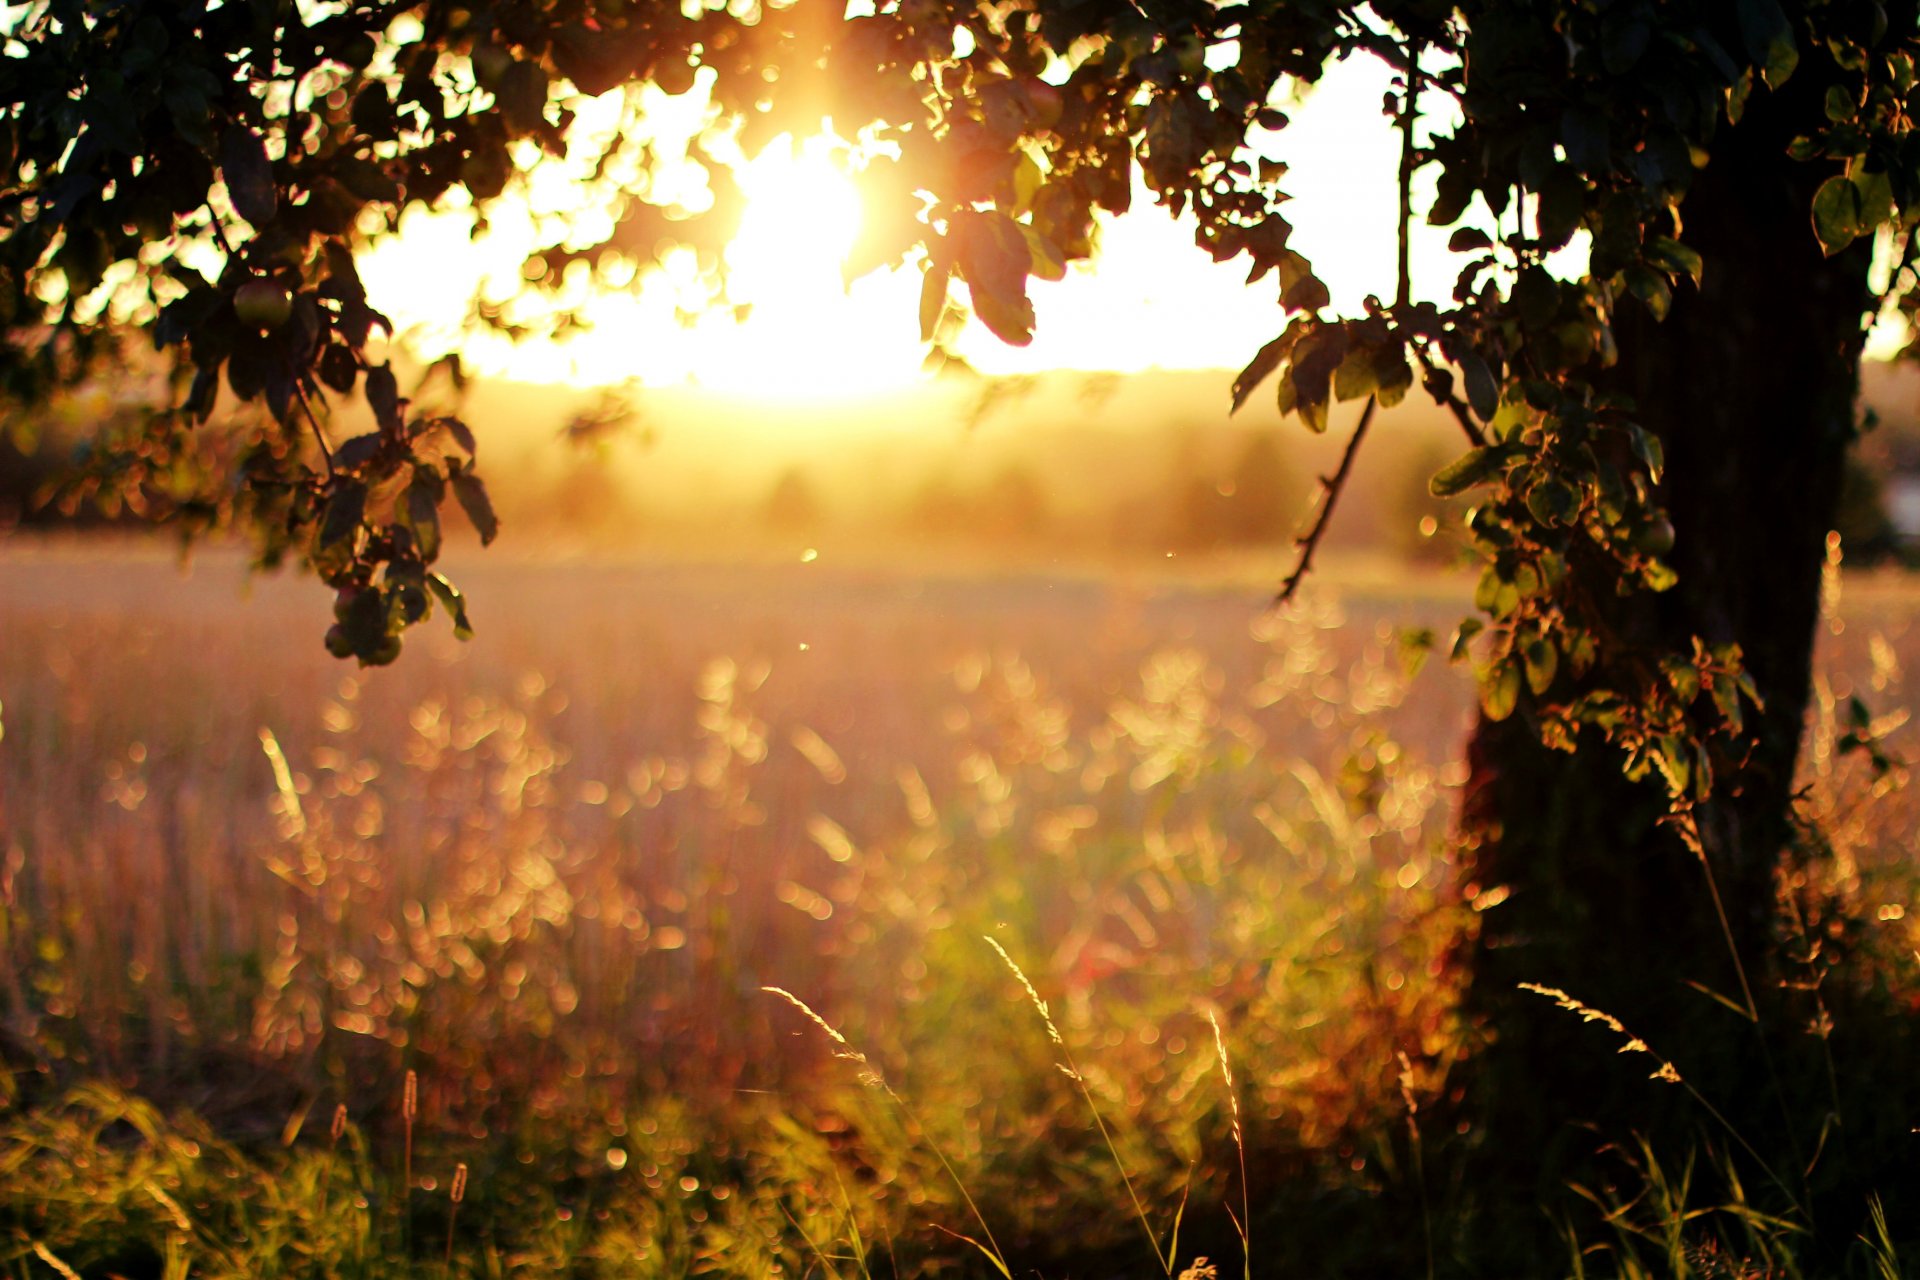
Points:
[1332,486]
[1409,108]
[319,436]
[1450,402]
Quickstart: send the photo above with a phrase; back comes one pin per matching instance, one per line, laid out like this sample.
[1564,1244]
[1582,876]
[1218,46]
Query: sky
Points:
[1151,299]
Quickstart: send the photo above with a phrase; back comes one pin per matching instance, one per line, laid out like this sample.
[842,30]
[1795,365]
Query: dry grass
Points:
[551,872]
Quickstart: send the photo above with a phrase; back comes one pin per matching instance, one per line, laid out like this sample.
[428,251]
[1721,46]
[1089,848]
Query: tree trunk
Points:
[1750,384]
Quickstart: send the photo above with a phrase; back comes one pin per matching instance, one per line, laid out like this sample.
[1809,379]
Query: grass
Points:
[515,906]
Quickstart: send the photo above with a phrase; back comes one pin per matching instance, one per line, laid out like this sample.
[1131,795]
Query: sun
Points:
[800,328]
[801,220]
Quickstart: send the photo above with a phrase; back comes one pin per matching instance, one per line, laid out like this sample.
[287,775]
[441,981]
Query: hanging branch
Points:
[1450,402]
[319,436]
[1331,486]
[1409,109]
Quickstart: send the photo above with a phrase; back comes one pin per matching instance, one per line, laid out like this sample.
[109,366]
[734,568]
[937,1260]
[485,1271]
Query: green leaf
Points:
[456,605]
[1647,448]
[1651,288]
[1394,375]
[1769,39]
[1500,690]
[1483,393]
[1876,198]
[1475,466]
[1542,663]
[1357,375]
[1837,216]
[1462,638]
[1553,503]
[421,513]
[472,493]
[1670,255]
[405,594]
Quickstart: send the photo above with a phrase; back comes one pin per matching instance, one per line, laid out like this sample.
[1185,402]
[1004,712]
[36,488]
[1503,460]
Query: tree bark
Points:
[1750,383]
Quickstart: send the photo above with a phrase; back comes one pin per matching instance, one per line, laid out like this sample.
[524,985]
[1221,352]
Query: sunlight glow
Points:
[790,327]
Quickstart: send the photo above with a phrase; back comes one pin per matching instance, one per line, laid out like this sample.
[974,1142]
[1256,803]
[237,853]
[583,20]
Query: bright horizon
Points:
[1151,299]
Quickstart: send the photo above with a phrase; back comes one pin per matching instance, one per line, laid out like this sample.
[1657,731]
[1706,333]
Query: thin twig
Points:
[1331,486]
[219,232]
[319,436]
[1409,106]
[1450,402]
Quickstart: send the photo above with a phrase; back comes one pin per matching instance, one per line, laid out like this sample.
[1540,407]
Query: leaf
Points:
[1769,39]
[1308,294]
[1475,466]
[346,506]
[1262,366]
[358,452]
[248,174]
[523,97]
[1500,690]
[338,368]
[1048,262]
[472,493]
[1356,375]
[456,605]
[1394,374]
[1553,503]
[1647,448]
[995,260]
[1462,638]
[383,397]
[1622,42]
[1537,296]
[405,594]
[1670,255]
[1469,240]
[1651,288]
[1542,662]
[1837,216]
[421,514]
[1483,393]
[933,298]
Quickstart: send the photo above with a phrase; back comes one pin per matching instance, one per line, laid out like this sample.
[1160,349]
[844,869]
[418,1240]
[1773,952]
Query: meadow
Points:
[1110,917]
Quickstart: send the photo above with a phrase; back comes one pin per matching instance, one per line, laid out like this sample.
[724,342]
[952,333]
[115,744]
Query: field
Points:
[1119,910]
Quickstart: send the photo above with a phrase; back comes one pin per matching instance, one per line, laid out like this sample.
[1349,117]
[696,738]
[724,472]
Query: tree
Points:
[1675,414]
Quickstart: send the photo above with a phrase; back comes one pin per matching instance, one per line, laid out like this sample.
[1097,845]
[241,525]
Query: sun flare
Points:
[801,219]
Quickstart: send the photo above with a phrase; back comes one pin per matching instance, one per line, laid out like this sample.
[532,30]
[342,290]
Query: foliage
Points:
[562,919]
[225,162]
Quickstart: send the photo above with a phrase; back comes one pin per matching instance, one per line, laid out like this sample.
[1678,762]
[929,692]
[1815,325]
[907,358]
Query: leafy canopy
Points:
[204,170]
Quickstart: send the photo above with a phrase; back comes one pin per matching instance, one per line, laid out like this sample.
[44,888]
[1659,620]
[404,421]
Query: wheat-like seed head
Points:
[849,1052]
[1632,1043]
[1046,1015]
[1226,1070]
